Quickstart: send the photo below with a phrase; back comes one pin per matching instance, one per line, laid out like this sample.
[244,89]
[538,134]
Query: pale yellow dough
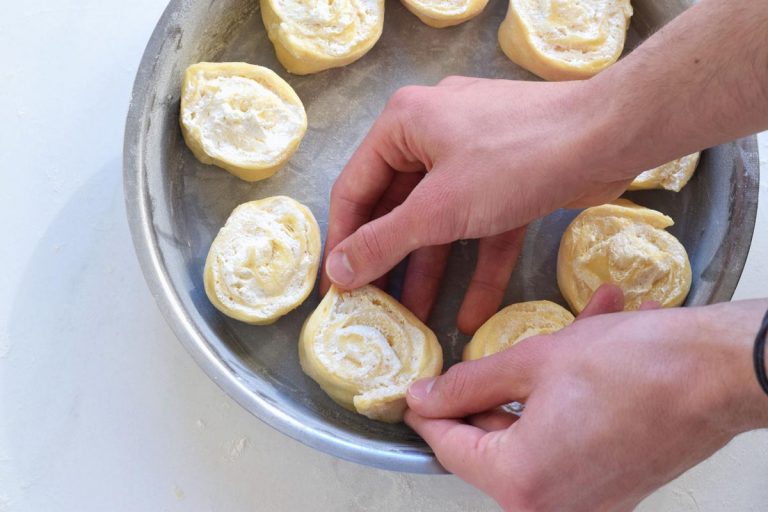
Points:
[565,39]
[670,176]
[240,117]
[445,13]
[627,245]
[310,36]
[263,262]
[364,349]
[515,323]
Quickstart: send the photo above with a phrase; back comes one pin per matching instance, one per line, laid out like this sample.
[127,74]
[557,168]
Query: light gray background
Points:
[100,407]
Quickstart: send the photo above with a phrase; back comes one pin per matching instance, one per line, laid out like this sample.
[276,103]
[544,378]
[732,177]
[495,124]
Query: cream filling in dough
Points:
[634,255]
[332,28]
[365,349]
[515,323]
[673,175]
[624,244]
[242,121]
[443,7]
[264,259]
[576,31]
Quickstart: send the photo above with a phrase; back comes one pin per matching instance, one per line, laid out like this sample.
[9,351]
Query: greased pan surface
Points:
[176,205]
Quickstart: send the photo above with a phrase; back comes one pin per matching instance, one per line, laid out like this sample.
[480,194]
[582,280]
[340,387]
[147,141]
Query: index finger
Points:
[364,180]
[475,386]
[460,448]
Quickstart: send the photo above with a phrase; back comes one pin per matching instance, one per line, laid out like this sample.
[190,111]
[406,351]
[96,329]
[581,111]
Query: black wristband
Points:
[759,355]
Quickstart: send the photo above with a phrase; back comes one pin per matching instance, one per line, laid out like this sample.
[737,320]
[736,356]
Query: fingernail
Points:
[421,388]
[339,269]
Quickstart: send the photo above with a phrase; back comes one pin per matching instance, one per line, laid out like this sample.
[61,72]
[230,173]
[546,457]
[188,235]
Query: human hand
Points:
[616,405]
[469,158]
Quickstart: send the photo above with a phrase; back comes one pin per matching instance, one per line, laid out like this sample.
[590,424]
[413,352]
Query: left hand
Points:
[468,158]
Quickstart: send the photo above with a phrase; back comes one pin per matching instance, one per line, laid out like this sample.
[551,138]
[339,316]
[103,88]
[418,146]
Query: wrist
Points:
[593,147]
[621,134]
[732,328]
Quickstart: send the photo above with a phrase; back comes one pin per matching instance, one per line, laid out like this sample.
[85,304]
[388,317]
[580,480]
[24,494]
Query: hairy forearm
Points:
[700,81]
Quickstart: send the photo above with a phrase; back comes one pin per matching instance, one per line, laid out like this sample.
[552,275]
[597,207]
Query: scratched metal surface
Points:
[176,205]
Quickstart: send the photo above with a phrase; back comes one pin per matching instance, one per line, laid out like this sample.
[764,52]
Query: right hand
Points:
[616,405]
[469,158]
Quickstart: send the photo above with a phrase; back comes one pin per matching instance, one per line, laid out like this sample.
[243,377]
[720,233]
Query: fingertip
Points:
[608,298]
[649,305]
[420,310]
[419,391]
[467,326]
[339,269]
[613,296]
[382,283]
[475,310]
[419,305]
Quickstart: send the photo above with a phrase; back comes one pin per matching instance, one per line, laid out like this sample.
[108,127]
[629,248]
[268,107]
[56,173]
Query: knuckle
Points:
[340,193]
[337,192]
[370,243]
[455,384]
[407,98]
[411,105]
[442,206]
[342,200]
[452,80]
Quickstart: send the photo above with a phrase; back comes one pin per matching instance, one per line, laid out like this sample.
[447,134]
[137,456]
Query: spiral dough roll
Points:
[627,245]
[364,349]
[565,39]
[670,176]
[240,117]
[515,323]
[445,13]
[263,262]
[310,36]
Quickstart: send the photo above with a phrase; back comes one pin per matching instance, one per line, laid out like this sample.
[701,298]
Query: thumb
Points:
[608,298]
[475,386]
[374,248]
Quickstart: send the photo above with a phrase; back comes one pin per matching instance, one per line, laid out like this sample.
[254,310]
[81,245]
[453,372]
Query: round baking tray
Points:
[176,205]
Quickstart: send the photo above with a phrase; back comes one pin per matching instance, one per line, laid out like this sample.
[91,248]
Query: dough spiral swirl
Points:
[627,245]
[311,35]
[240,117]
[364,349]
[565,39]
[263,262]
[445,13]
[672,176]
[515,323]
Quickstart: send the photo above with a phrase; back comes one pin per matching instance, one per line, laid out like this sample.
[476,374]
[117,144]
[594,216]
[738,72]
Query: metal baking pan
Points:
[176,205]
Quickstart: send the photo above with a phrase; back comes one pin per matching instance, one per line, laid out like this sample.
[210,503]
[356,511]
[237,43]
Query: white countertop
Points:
[100,406]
